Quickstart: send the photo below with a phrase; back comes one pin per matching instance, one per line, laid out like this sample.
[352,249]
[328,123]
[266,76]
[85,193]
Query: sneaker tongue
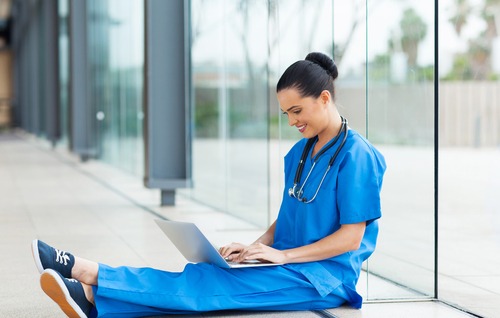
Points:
[65,263]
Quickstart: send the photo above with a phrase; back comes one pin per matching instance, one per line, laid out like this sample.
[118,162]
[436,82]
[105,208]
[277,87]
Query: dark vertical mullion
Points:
[436,146]
[366,71]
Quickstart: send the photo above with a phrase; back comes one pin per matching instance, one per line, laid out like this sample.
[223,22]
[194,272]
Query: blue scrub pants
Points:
[135,292]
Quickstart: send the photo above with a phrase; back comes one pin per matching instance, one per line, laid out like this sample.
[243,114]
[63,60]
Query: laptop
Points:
[196,248]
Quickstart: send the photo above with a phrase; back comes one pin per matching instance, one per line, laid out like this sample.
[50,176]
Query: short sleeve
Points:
[359,184]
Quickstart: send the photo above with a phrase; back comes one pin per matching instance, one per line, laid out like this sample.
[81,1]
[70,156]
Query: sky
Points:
[221,29]
[385,17]
[221,26]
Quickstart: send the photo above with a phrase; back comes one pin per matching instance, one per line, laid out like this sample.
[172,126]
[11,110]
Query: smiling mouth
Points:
[301,128]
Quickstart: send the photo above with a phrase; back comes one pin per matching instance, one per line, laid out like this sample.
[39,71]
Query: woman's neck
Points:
[330,131]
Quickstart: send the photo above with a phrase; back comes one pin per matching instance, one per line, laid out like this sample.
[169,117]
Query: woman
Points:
[326,228]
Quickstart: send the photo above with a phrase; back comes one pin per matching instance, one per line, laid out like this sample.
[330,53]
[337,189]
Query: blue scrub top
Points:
[349,194]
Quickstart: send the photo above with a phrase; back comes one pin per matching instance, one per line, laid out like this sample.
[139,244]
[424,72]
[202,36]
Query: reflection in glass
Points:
[469,173]
[385,89]
[116,70]
[400,121]
[295,29]
[229,54]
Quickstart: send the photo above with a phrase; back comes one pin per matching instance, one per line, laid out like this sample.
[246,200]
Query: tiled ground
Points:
[102,214]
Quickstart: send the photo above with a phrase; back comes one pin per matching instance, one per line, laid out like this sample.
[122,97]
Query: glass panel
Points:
[230,147]
[98,51]
[63,9]
[40,80]
[385,89]
[469,173]
[296,28]
[400,122]
[116,33]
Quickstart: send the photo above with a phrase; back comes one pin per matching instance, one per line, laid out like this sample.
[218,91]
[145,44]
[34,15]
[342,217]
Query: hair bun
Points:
[325,62]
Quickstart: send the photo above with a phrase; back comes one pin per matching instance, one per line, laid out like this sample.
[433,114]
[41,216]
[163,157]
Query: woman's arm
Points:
[347,238]
[231,251]
[268,237]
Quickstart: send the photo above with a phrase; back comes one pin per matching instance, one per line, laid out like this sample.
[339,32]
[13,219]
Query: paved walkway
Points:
[103,214]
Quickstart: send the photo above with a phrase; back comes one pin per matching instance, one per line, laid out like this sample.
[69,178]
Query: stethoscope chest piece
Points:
[298,193]
[294,192]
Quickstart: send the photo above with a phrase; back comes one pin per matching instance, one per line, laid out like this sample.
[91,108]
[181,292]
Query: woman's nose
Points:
[291,120]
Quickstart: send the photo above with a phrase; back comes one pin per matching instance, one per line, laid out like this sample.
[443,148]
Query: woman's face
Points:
[308,114]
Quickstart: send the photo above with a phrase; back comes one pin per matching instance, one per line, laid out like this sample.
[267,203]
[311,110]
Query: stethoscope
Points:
[298,193]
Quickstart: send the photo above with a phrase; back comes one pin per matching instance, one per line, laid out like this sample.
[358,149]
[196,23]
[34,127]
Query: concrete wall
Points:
[470,114]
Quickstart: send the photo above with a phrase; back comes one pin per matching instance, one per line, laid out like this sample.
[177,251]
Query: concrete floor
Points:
[102,214]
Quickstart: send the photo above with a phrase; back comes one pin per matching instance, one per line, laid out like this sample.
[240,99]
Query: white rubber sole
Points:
[53,285]
[36,256]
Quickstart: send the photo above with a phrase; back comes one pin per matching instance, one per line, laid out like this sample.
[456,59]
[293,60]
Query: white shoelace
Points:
[61,257]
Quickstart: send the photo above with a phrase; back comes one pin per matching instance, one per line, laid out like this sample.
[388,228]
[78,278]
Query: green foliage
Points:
[426,73]
[206,118]
[461,70]
[413,30]
[475,63]
[412,26]
[380,70]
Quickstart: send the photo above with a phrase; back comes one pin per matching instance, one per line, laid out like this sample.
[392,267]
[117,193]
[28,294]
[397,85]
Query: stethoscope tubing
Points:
[298,173]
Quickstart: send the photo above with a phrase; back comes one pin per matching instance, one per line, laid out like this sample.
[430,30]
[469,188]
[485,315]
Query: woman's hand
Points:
[261,252]
[231,251]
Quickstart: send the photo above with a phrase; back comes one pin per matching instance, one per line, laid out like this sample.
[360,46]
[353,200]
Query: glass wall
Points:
[239,49]
[296,28]
[385,89]
[116,46]
[469,173]
[230,117]
[398,117]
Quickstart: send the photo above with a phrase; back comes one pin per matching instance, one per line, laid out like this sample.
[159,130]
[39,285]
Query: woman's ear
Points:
[325,97]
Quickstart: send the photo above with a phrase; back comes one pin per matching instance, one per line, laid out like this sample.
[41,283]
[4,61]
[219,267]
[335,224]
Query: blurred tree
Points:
[413,30]
[461,68]
[491,14]
[476,62]
[362,9]
[379,68]
[460,15]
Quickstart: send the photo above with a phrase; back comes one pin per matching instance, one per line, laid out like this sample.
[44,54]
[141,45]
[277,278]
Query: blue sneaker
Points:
[67,293]
[48,257]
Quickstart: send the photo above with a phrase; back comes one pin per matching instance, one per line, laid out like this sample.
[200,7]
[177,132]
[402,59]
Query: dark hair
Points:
[310,76]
